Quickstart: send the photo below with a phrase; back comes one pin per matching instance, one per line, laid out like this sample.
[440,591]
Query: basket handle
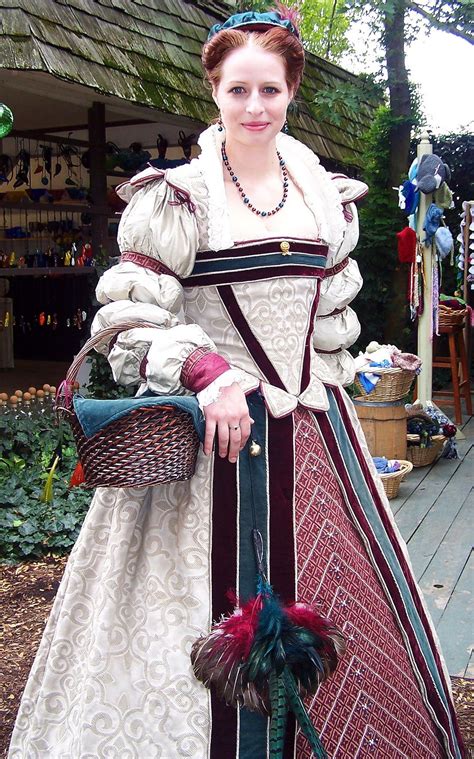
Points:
[98,338]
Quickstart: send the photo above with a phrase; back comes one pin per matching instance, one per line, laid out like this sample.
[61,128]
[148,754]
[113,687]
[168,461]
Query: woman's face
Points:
[252,95]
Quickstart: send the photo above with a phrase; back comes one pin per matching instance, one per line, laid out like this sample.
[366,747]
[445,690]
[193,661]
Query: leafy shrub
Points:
[101,383]
[29,527]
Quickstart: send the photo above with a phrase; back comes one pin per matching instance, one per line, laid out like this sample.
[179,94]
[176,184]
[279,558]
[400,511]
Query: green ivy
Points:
[336,104]
[29,527]
[101,383]
[380,220]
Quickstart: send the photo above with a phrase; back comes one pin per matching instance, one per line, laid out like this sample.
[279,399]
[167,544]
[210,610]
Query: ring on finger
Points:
[231,427]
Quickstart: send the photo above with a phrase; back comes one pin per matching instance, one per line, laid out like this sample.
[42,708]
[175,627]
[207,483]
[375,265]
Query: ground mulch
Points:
[26,595]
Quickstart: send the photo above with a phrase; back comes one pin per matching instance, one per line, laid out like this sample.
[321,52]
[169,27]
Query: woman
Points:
[241,261]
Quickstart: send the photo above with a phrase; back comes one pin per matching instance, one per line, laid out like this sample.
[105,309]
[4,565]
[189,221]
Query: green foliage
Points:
[454,16]
[101,382]
[380,220]
[30,528]
[336,105]
[323,24]
[324,28]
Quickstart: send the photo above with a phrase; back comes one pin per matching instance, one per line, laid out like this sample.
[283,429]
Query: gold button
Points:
[285,248]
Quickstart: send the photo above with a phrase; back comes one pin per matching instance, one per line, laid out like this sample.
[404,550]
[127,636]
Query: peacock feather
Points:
[279,707]
[302,716]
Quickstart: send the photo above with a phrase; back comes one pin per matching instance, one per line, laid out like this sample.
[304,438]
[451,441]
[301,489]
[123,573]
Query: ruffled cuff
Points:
[211,393]
[201,368]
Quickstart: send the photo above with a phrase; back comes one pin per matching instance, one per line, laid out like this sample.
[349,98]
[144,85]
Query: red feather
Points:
[292,13]
[77,477]
[304,615]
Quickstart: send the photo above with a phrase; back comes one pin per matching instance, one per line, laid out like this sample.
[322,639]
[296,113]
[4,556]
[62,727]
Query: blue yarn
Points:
[432,222]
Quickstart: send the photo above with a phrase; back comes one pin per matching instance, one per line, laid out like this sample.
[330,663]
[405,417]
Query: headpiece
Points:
[256,22]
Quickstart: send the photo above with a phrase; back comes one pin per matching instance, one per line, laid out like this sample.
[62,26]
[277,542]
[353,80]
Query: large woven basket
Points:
[391,481]
[424,456]
[451,317]
[148,446]
[394,384]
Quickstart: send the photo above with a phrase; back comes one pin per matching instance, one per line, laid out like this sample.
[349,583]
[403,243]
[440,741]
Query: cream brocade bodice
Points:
[179,219]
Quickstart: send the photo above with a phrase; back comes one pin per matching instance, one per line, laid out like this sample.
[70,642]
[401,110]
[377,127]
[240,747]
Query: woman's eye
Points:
[237,90]
[271,90]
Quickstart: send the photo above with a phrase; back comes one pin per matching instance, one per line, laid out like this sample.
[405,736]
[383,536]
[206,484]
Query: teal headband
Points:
[256,21]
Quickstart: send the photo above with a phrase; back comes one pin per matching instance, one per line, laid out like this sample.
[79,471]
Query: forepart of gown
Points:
[113,678]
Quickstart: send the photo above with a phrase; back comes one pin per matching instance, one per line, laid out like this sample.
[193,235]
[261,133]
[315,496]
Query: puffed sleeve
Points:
[337,326]
[158,238]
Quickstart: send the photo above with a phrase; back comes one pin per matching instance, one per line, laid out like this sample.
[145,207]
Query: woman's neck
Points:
[253,160]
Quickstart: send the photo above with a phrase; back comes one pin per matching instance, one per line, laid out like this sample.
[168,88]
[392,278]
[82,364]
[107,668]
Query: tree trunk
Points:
[400,105]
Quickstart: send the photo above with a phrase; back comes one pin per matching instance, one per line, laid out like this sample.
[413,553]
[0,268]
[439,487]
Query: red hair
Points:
[276,40]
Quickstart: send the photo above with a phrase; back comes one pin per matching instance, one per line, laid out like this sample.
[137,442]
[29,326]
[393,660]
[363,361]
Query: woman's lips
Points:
[257,126]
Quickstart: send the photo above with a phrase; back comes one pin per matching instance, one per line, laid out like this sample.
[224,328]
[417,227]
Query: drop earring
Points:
[220,125]
[284,128]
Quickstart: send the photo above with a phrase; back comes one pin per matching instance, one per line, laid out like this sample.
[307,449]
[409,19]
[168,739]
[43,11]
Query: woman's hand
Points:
[229,416]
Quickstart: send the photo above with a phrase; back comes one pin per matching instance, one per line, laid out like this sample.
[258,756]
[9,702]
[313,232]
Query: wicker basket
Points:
[391,481]
[394,384]
[148,446]
[424,456]
[451,317]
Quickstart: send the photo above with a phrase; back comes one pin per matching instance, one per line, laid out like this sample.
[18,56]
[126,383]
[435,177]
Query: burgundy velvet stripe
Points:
[240,323]
[399,553]
[252,275]
[379,558]
[223,575]
[204,371]
[282,541]
[329,353]
[332,270]
[306,370]
[140,259]
[271,246]
[143,366]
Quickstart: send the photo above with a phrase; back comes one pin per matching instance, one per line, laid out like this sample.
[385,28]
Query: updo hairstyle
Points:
[276,40]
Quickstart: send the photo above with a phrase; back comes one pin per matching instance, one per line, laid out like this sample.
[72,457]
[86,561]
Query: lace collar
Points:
[319,191]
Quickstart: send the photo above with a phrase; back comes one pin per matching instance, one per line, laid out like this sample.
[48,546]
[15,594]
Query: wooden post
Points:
[425,322]
[98,175]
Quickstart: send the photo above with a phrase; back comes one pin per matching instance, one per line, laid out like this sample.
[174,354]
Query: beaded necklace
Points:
[245,197]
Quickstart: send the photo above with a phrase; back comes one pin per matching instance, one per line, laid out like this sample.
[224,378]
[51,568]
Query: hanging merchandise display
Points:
[431,173]
[465,256]
[428,174]
[49,240]
[6,120]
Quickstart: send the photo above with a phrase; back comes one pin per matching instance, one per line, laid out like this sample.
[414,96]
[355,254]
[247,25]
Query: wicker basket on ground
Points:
[451,317]
[394,384]
[424,456]
[391,481]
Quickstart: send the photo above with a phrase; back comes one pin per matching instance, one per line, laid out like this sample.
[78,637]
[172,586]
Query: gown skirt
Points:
[153,568]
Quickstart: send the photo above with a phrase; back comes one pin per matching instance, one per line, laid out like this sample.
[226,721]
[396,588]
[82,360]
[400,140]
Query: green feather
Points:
[47,495]
[301,715]
[279,707]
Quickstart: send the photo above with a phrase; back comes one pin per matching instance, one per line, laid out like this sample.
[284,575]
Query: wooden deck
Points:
[435,514]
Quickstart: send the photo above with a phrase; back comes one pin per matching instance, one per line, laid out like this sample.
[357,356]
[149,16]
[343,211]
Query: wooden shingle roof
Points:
[148,52]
